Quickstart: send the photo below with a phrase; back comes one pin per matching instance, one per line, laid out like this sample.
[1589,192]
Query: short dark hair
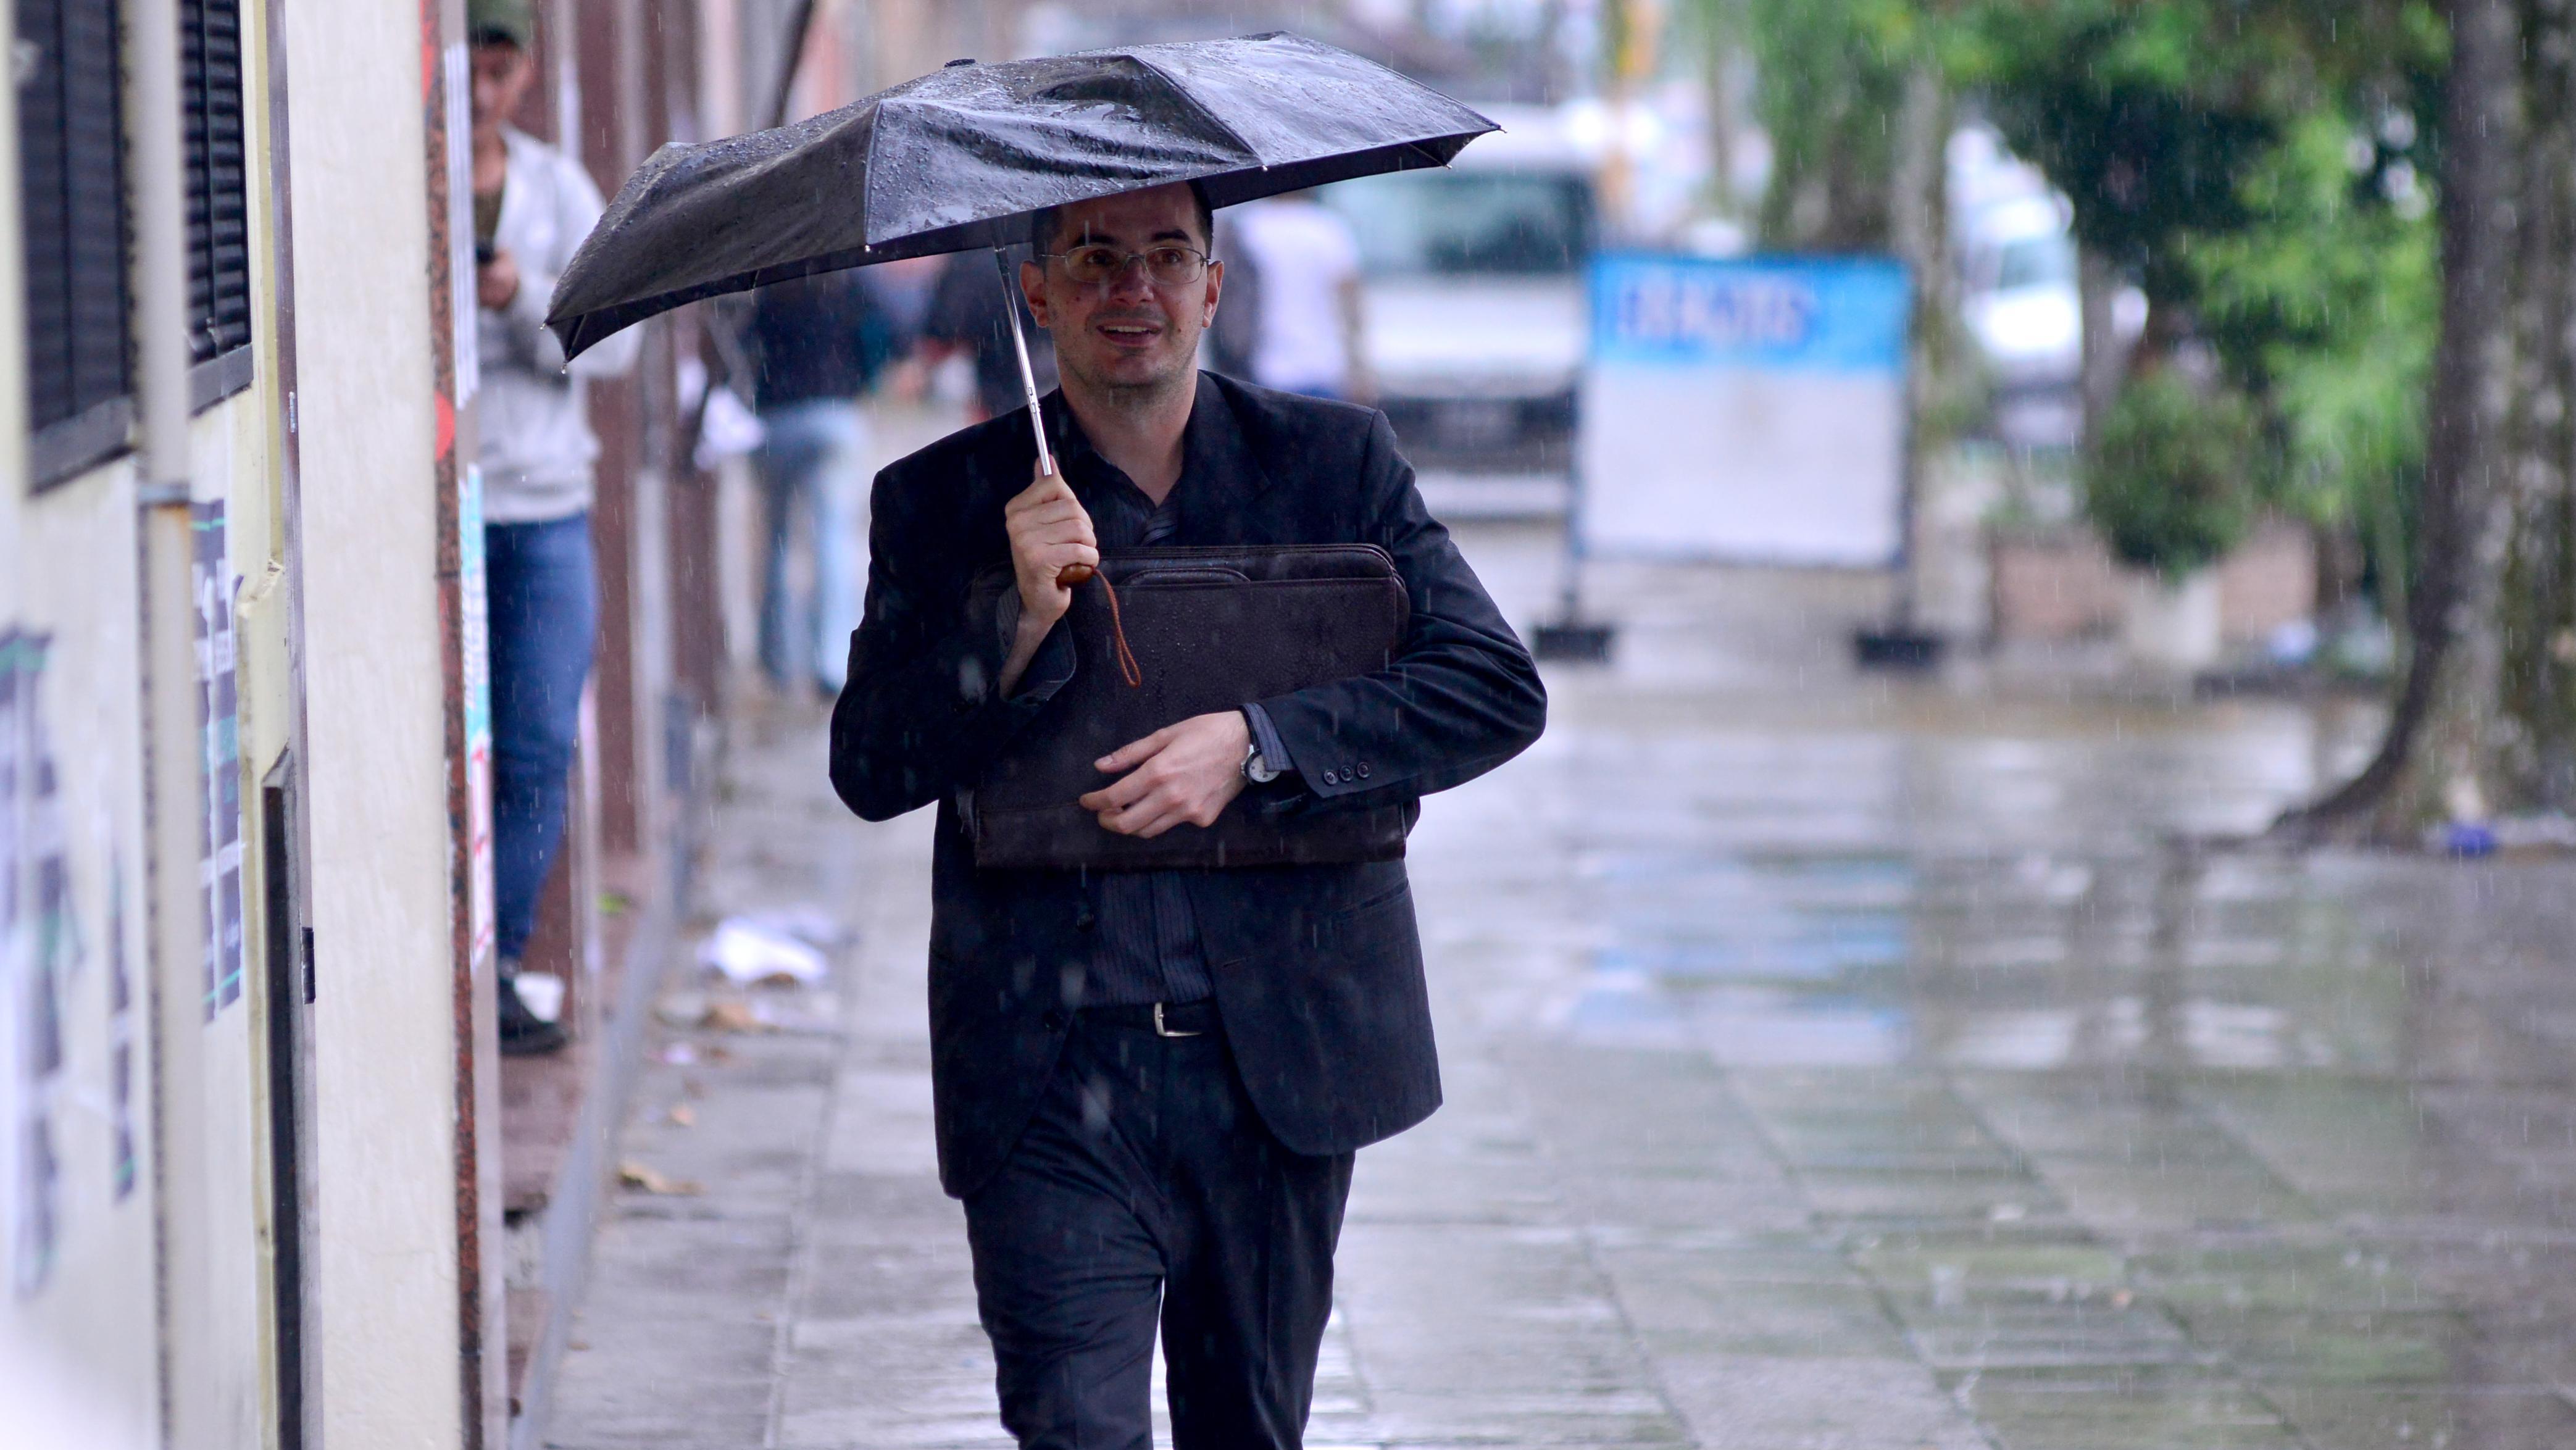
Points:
[1042,224]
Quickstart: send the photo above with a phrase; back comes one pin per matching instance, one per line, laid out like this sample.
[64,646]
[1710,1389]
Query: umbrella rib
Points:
[1212,118]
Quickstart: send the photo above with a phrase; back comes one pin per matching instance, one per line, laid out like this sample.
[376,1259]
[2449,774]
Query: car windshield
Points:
[1453,222]
[2035,262]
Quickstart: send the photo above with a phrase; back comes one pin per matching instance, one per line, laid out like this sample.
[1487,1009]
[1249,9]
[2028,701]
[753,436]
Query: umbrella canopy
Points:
[962,156]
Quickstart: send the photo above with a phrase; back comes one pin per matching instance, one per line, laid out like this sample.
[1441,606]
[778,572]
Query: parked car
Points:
[2022,305]
[1473,288]
[2019,296]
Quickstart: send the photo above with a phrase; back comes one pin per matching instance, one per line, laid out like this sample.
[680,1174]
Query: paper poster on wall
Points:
[218,732]
[39,947]
[1749,409]
[122,1161]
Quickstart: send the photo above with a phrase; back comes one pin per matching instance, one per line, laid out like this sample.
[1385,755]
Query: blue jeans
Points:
[544,596]
[812,463]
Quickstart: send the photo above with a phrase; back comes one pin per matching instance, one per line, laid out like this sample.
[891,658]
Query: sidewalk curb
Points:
[572,1212]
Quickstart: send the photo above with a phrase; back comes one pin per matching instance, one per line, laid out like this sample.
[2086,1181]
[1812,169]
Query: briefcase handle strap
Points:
[1074,576]
[1128,670]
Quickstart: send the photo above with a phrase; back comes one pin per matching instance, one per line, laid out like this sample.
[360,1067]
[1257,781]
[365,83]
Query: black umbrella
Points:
[961,157]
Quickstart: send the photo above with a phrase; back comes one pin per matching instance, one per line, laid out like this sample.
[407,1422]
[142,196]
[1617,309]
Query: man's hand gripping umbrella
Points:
[1047,525]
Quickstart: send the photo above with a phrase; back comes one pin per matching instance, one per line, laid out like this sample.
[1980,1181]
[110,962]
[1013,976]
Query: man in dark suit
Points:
[1150,1085]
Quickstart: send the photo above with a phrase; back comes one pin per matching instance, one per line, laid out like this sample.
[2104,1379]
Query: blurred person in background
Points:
[1307,326]
[966,316]
[817,345]
[532,207]
[904,289]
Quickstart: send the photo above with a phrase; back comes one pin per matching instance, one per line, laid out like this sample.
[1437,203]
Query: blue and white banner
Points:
[1747,409]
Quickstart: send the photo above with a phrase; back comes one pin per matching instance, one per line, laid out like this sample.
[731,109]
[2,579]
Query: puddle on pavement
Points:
[2141,1148]
[2025,963]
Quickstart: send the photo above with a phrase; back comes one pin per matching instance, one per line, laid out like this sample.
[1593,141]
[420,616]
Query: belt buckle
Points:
[1162,1031]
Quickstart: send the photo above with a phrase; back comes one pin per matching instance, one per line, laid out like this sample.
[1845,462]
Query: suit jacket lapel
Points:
[1220,477]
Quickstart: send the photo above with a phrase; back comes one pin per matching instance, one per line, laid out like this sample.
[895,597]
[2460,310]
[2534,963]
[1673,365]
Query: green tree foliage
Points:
[2324,305]
[1830,81]
[2258,168]
[2154,116]
[2146,113]
[2174,483]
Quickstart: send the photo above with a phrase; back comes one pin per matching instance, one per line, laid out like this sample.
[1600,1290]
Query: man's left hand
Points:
[1184,773]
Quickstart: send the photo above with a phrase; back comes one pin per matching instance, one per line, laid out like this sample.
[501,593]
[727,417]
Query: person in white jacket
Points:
[532,207]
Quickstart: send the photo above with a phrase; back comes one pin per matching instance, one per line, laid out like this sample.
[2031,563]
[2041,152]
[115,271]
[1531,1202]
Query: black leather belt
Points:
[1163,1019]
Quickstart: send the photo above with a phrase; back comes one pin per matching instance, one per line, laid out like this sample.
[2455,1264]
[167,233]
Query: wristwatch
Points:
[1255,769]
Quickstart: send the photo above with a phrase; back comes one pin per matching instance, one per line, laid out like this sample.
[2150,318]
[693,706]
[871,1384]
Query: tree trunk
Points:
[2539,765]
[2436,755]
[1914,203]
[2105,353]
[1720,39]
[1919,233]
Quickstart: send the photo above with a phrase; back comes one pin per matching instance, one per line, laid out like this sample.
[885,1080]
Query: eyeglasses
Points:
[1169,266]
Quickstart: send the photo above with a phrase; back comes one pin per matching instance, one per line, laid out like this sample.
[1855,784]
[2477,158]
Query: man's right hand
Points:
[1048,531]
[496,281]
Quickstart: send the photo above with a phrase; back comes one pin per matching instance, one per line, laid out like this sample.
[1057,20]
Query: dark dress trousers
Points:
[1318,970]
[1114,1176]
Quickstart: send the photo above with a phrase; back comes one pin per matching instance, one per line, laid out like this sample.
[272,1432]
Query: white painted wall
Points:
[86,1326]
[385,1063]
[69,566]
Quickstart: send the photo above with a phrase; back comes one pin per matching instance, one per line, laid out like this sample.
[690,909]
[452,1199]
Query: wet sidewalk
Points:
[1827,1066]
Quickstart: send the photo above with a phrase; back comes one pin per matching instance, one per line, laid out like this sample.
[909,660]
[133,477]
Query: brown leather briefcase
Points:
[1210,630]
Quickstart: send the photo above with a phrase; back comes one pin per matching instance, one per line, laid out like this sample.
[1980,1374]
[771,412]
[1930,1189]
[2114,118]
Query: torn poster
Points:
[218,729]
[39,947]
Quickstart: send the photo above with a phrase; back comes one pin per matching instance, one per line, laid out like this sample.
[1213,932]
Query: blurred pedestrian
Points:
[1308,331]
[1150,1085]
[817,345]
[967,316]
[532,207]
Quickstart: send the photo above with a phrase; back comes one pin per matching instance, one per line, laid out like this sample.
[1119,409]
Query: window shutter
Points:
[210,79]
[72,208]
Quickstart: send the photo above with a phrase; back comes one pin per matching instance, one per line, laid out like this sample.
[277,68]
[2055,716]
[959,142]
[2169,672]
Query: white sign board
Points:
[1746,409]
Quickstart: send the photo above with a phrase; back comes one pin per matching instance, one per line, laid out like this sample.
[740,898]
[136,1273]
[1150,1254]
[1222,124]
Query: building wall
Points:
[142,1298]
[77,1315]
[384,1029]
[149,1298]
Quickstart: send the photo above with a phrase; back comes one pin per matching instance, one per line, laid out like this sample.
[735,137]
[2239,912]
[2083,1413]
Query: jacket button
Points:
[1053,1021]
[1331,779]
[1363,770]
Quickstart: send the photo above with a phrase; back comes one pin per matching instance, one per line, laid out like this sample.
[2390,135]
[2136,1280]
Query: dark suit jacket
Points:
[1317,969]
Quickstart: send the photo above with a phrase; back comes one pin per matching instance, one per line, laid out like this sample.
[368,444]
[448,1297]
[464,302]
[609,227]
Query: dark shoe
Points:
[524,1033]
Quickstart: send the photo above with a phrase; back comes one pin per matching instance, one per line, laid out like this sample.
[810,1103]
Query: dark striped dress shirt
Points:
[1146,934]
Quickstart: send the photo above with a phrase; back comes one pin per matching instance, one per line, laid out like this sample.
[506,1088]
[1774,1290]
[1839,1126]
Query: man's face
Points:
[1130,331]
[501,77]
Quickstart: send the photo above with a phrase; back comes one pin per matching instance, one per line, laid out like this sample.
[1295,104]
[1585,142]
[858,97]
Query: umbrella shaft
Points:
[1020,345]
